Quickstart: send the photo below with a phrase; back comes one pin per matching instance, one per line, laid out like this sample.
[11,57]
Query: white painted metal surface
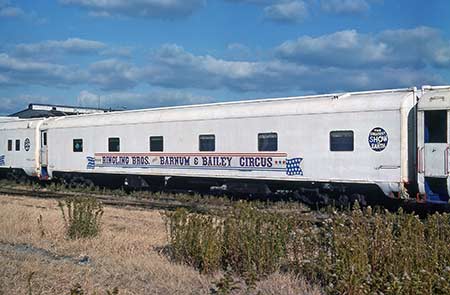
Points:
[303,125]
[27,158]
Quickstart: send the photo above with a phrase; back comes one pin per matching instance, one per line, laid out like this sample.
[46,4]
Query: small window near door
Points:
[436,126]
[114,144]
[268,142]
[44,138]
[78,145]
[9,145]
[341,141]
[207,143]
[17,144]
[156,143]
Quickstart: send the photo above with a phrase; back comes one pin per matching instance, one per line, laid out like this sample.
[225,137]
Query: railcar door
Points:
[434,145]
[44,155]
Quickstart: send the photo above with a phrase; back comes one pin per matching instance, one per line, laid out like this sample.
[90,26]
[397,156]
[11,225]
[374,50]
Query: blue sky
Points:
[147,53]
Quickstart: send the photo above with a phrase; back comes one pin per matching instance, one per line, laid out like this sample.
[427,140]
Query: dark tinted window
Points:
[45,138]
[114,144]
[207,143]
[77,145]
[156,143]
[267,142]
[436,126]
[9,145]
[17,144]
[341,141]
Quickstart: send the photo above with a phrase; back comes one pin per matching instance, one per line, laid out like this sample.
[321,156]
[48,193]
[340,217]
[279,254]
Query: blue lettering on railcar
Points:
[2,160]
[265,162]
[175,161]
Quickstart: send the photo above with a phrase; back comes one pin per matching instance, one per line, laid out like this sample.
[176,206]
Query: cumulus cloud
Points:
[13,104]
[174,67]
[113,74]
[69,46]
[133,100]
[345,6]
[166,9]
[18,71]
[346,60]
[11,11]
[286,12]
[416,48]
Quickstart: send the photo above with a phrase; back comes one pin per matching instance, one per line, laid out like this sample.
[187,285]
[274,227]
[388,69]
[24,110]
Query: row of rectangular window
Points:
[267,142]
[10,145]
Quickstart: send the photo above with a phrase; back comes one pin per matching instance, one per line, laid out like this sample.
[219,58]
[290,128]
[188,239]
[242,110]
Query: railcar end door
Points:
[434,145]
[44,155]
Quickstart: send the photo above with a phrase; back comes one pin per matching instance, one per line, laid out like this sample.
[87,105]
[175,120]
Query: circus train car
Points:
[390,143]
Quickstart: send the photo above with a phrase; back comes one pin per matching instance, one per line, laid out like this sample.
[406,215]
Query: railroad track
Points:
[162,203]
[115,201]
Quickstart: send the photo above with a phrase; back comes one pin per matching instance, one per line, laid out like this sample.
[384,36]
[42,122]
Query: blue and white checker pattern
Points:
[91,163]
[2,160]
[293,166]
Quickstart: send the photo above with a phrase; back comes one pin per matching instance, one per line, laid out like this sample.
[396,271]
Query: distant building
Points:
[36,110]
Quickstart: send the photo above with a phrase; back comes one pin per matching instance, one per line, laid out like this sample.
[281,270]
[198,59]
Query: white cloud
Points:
[174,67]
[412,48]
[19,71]
[345,6]
[346,60]
[70,46]
[13,104]
[340,49]
[134,100]
[166,9]
[112,74]
[287,12]
[11,11]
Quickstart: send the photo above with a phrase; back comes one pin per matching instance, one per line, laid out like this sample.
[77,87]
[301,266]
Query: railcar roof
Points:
[16,123]
[329,103]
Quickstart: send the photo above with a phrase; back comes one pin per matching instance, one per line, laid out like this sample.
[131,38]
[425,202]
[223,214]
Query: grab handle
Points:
[420,160]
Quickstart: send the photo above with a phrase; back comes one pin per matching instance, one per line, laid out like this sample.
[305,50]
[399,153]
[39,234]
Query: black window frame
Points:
[265,144]
[204,143]
[10,145]
[341,146]
[156,143]
[75,141]
[17,147]
[110,145]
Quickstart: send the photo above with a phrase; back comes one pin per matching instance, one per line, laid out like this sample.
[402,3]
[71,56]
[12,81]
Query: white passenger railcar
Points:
[321,146]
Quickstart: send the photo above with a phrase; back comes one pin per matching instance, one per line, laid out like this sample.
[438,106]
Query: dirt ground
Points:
[36,257]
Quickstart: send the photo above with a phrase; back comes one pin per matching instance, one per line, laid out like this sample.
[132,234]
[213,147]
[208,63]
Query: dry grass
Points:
[127,254]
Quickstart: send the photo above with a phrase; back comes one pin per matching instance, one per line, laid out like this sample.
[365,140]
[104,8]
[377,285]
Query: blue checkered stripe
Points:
[90,163]
[2,160]
[293,166]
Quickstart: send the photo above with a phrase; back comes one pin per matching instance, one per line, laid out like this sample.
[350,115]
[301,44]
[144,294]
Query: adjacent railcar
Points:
[20,147]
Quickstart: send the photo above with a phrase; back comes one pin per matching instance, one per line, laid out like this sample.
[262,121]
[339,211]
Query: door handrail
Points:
[446,159]
[420,160]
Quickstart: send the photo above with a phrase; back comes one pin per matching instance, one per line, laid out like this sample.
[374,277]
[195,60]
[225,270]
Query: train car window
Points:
[156,143]
[268,142]
[341,141]
[114,144]
[78,145]
[207,143]
[436,126]
[9,145]
[17,144]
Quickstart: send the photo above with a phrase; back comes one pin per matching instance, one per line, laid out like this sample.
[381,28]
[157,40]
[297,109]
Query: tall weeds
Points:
[359,252]
[82,216]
